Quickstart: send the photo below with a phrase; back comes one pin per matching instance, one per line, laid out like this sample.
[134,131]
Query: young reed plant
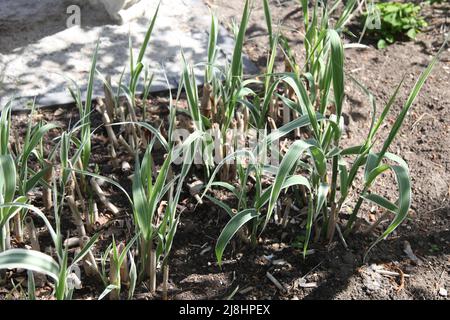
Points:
[119,272]
[85,110]
[60,270]
[318,165]
[217,112]
[155,204]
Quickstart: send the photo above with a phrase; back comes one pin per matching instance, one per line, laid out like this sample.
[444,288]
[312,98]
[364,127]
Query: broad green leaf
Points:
[141,203]
[30,260]
[337,62]
[107,290]
[133,276]
[35,178]
[289,182]
[35,140]
[404,203]
[300,122]
[381,201]
[230,230]
[36,211]
[322,193]
[7,178]
[291,157]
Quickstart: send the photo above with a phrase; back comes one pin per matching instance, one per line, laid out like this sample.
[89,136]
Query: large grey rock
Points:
[38,52]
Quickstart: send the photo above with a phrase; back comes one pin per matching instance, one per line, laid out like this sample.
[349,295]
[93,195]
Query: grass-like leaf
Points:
[230,230]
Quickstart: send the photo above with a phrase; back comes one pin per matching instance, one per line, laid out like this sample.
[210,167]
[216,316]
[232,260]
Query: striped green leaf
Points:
[235,223]
[30,260]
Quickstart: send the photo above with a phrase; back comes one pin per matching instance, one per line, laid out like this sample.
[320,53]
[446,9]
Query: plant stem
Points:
[7,237]
[165,280]
[89,263]
[114,278]
[152,265]
[2,239]
[333,214]
[352,218]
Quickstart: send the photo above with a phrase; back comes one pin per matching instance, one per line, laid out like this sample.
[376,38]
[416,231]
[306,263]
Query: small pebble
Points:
[443,292]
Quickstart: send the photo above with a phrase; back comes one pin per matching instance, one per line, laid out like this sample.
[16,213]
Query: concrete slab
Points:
[38,52]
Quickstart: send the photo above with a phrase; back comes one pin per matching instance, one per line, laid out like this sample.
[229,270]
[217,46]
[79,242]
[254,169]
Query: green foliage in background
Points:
[391,21]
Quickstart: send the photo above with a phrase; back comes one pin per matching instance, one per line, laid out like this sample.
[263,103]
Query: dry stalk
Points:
[241,130]
[78,221]
[160,212]
[72,242]
[112,153]
[101,108]
[218,150]
[18,231]
[275,282]
[205,105]
[273,112]
[94,212]
[89,264]
[109,99]
[317,230]
[194,190]
[32,234]
[246,114]
[213,109]
[287,210]
[125,144]
[123,117]
[75,187]
[297,132]
[101,195]
[272,123]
